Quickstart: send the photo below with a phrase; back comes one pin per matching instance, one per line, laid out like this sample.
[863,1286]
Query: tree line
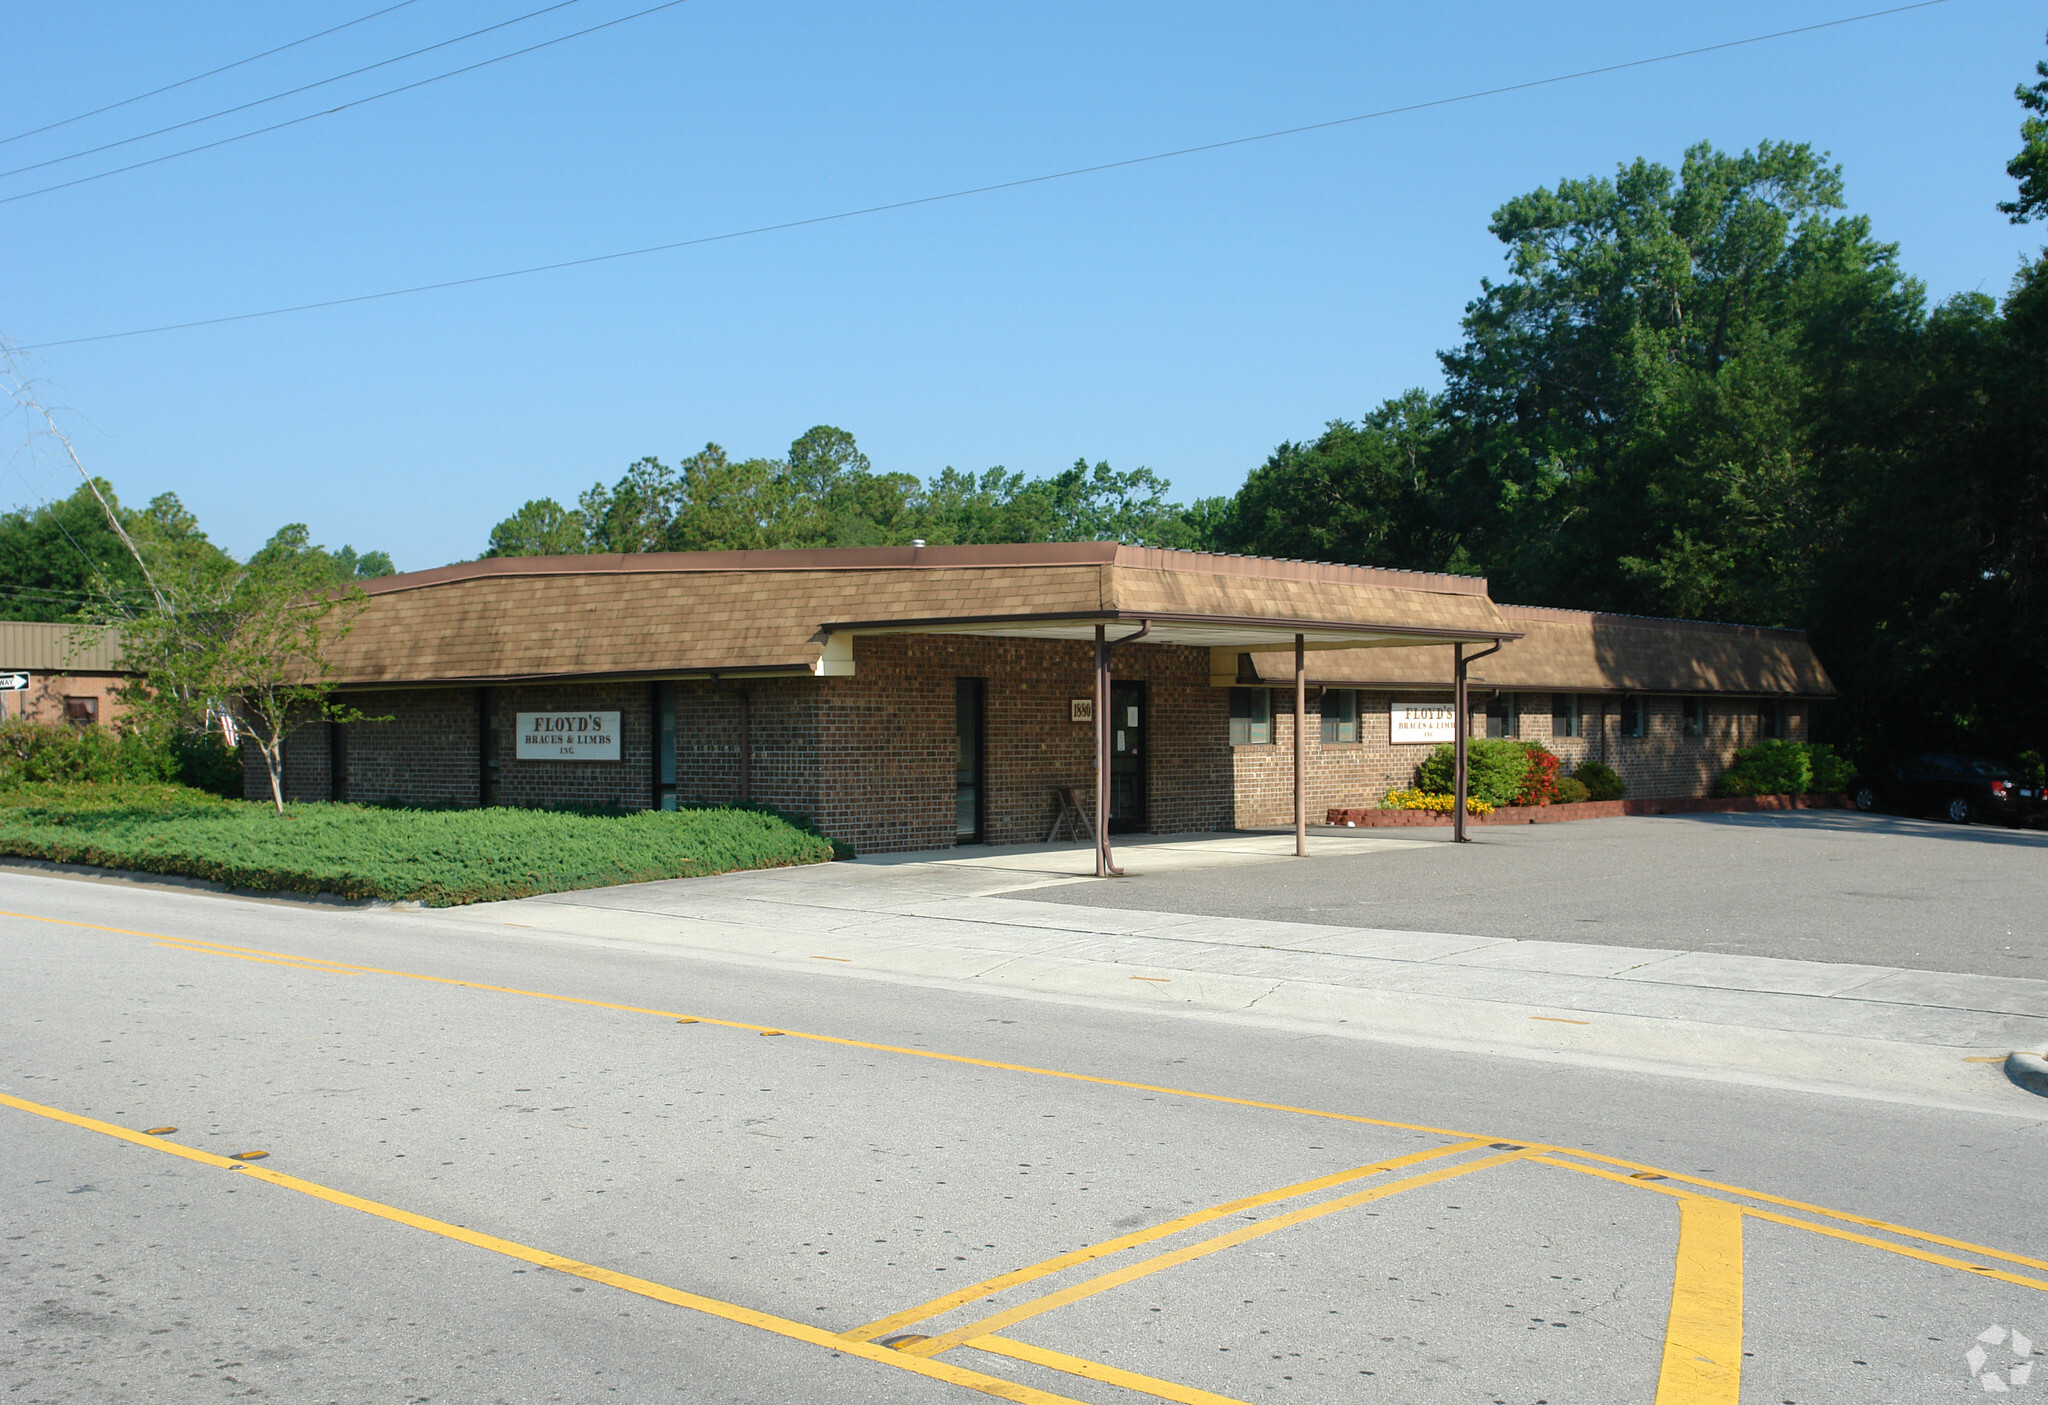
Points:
[1710,393]
[824,492]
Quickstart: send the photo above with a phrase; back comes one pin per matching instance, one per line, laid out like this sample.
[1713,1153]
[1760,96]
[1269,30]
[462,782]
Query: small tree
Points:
[246,641]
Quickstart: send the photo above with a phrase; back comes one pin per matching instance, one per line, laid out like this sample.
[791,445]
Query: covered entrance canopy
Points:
[1230,606]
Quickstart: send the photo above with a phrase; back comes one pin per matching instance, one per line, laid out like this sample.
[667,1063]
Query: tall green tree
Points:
[634,513]
[2030,166]
[1656,410]
[541,527]
[1359,492]
[728,505]
[55,557]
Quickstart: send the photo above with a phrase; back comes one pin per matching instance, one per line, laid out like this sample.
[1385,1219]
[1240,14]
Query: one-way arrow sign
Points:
[13,682]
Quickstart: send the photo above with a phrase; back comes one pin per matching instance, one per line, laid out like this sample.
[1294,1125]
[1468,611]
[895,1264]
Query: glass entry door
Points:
[1127,756]
[969,782]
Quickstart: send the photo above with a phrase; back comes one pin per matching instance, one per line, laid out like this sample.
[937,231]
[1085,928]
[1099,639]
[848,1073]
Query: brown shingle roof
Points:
[1577,651]
[672,613]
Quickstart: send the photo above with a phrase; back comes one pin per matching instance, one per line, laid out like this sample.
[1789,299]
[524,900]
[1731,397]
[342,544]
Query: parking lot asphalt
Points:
[1813,885]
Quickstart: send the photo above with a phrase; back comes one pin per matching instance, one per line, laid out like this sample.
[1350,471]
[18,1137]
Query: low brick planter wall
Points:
[1347,817]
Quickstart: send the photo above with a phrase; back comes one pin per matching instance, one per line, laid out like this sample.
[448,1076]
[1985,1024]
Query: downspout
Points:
[746,782]
[1105,864]
[1461,693]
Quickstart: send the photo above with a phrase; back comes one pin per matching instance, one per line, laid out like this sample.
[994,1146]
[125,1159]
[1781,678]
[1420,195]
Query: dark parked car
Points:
[1960,788]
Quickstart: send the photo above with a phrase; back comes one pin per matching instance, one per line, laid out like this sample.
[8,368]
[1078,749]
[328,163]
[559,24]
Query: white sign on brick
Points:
[1081,709]
[568,736]
[1424,722]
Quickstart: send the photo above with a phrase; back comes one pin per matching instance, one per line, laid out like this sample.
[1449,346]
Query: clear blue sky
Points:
[1186,315]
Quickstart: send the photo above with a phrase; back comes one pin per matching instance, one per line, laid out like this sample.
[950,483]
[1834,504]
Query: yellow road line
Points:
[730,1312]
[200,944]
[794,1034]
[1102,1283]
[1096,1371]
[1850,1236]
[1845,1216]
[895,1321]
[303,965]
[1703,1335]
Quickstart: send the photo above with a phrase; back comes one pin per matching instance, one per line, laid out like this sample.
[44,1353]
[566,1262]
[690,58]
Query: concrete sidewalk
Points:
[949,918]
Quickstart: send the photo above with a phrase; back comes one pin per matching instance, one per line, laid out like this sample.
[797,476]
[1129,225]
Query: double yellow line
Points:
[1703,1344]
[540,1258]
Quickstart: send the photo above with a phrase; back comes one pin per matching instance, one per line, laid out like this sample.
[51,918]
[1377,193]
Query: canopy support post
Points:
[1105,866]
[1459,726]
[1300,742]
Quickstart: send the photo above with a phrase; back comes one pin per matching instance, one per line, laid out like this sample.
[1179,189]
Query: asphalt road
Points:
[499,1168]
[1814,885]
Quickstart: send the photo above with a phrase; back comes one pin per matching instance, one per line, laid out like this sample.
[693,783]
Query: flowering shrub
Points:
[1539,782]
[1429,800]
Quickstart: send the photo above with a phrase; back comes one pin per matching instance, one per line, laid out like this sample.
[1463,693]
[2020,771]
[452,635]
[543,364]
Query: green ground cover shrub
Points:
[1785,768]
[438,857]
[1494,768]
[1571,791]
[1600,780]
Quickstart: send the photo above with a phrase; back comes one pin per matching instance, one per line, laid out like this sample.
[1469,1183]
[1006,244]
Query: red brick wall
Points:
[783,758]
[871,758]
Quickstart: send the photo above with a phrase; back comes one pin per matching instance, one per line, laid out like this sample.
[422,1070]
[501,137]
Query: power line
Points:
[287,93]
[1017,184]
[182,82]
[358,102]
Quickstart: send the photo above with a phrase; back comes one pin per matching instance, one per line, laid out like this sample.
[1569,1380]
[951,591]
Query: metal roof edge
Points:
[882,558]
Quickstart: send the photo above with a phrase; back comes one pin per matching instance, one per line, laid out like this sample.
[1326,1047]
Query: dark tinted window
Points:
[1502,720]
[1340,716]
[1251,717]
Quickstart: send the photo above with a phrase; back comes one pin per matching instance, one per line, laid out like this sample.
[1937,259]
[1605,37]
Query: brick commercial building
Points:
[910,698]
[70,678]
